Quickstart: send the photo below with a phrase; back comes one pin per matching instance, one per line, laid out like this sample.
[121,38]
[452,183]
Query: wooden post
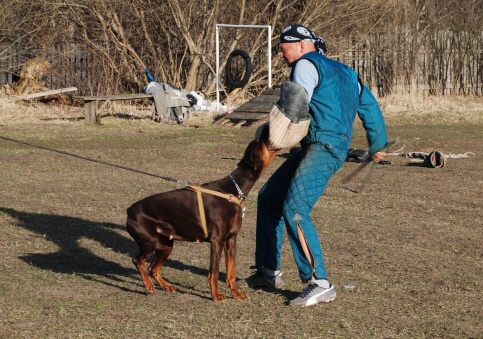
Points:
[90,108]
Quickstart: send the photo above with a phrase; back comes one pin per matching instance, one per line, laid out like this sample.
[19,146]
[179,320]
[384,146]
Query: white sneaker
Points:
[313,294]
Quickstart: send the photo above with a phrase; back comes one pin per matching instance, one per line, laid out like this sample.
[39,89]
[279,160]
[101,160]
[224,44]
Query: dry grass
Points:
[421,109]
[398,109]
[34,112]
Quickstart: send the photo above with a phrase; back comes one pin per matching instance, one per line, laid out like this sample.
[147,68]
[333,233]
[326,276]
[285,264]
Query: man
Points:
[335,96]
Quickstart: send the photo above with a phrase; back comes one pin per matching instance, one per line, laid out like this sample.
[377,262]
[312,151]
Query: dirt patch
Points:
[409,246]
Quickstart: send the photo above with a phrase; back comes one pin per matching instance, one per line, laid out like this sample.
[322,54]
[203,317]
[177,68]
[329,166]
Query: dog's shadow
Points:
[72,258]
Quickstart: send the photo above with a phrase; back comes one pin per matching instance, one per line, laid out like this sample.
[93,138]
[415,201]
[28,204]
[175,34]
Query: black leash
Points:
[93,160]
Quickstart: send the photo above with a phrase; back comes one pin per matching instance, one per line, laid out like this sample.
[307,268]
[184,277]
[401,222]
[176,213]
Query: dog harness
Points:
[230,197]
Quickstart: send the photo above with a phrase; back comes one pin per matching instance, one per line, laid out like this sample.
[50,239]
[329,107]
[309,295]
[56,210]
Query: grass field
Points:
[410,244]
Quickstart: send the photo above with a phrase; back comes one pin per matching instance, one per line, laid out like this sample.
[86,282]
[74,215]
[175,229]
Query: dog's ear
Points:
[248,156]
[265,132]
[251,158]
[262,132]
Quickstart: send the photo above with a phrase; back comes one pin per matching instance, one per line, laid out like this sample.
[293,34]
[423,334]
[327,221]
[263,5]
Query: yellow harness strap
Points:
[199,190]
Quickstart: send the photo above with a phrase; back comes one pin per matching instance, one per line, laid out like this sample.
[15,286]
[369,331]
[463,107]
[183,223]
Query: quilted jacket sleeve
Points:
[372,119]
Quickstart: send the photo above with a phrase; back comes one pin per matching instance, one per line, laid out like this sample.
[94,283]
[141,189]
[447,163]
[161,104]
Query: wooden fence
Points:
[445,63]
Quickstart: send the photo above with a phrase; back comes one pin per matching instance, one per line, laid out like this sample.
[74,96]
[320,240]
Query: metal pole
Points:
[217,69]
[269,56]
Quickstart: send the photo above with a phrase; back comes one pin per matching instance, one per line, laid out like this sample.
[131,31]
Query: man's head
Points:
[296,40]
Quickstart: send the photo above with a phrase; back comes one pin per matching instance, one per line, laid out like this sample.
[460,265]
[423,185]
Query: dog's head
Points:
[257,155]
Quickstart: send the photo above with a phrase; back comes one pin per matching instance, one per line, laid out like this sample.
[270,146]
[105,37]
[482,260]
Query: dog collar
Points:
[241,196]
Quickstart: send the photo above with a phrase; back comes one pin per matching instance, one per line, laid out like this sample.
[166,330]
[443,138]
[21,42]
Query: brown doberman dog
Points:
[210,213]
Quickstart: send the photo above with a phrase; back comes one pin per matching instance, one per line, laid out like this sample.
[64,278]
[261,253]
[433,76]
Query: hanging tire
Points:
[248,69]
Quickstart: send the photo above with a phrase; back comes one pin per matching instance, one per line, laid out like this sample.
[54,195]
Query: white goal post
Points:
[269,30]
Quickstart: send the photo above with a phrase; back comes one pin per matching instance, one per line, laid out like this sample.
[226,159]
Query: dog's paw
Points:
[240,296]
[149,288]
[219,297]
[170,288]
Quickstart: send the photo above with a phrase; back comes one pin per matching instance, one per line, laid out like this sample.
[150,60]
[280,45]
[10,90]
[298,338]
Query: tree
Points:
[103,46]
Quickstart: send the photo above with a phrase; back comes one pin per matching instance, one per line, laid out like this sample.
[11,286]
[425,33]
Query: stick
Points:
[354,173]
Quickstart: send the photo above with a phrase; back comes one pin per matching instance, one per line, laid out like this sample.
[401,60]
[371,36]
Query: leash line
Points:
[94,160]
[371,163]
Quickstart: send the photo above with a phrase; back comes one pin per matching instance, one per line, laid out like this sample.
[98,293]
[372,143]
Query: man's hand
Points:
[379,156]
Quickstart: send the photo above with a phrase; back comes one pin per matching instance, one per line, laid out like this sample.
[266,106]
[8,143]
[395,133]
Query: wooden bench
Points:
[91,103]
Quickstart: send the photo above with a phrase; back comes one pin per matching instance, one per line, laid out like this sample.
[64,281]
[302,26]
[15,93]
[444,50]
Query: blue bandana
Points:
[295,33]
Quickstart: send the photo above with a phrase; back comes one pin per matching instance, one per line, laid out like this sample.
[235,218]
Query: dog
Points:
[211,212]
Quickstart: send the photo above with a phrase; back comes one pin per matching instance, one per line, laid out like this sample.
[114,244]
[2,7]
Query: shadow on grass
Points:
[287,294]
[121,116]
[126,116]
[71,258]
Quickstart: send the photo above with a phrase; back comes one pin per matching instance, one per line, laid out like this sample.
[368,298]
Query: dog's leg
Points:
[214,271]
[160,256]
[139,261]
[230,255]
[147,247]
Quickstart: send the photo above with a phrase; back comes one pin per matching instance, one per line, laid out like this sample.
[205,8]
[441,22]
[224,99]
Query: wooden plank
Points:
[246,116]
[261,104]
[241,116]
[132,96]
[240,123]
[98,118]
[46,93]
[256,109]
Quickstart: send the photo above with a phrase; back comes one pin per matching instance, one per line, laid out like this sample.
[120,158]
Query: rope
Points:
[94,160]
[458,156]
[421,155]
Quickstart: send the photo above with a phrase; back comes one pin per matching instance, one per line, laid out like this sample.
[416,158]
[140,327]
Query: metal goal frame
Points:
[269,38]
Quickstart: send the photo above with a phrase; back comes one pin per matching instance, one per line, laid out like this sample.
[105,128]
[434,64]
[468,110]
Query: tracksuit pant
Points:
[286,200]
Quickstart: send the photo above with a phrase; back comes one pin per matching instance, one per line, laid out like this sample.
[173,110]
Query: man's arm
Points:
[306,75]
[372,119]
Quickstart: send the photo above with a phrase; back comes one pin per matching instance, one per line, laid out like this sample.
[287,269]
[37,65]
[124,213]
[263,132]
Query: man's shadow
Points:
[71,258]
